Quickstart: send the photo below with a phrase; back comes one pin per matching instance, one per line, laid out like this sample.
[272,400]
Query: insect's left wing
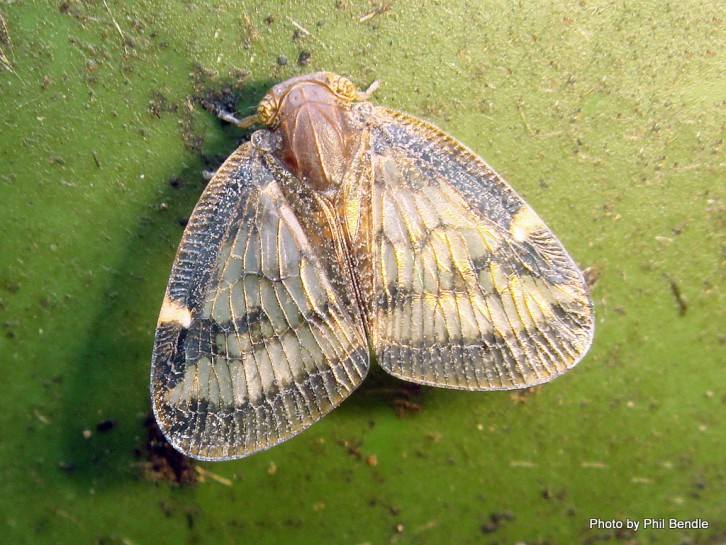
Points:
[470,288]
[253,344]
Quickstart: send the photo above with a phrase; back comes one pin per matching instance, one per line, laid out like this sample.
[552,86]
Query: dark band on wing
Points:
[209,429]
[472,290]
[252,344]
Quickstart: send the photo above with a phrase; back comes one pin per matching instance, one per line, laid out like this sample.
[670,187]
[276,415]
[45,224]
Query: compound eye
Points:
[342,87]
[267,110]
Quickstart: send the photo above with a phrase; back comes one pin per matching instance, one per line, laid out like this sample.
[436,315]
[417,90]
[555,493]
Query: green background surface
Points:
[607,116]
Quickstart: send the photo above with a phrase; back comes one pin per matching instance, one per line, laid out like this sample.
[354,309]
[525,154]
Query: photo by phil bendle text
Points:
[657,524]
[342,233]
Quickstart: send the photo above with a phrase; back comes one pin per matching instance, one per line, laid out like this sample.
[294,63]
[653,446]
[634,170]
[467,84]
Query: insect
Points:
[340,234]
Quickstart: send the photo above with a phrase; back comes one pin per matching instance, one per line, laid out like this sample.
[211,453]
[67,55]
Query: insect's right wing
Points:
[253,342]
[470,288]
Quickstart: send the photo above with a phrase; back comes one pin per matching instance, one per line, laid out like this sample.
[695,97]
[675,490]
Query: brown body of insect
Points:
[341,233]
[318,135]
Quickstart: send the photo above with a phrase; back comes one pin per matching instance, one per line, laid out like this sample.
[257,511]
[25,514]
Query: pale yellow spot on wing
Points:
[524,223]
[171,311]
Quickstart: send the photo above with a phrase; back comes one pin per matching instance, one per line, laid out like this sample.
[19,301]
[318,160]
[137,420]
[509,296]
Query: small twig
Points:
[5,40]
[371,14]
[254,36]
[5,35]
[363,95]
[524,118]
[304,32]
[206,473]
[113,20]
[678,296]
[6,63]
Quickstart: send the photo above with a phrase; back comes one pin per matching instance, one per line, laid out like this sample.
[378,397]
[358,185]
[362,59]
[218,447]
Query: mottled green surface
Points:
[608,117]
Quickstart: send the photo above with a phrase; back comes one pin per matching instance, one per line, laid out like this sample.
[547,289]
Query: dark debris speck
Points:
[106,425]
[304,58]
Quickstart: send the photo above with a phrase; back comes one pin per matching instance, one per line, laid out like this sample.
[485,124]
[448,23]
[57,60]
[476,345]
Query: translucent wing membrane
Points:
[471,289]
[343,229]
[253,343]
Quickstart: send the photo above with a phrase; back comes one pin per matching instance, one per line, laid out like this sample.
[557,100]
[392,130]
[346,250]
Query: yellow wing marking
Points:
[270,349]
[171,311]
[524,223]
[471,289]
